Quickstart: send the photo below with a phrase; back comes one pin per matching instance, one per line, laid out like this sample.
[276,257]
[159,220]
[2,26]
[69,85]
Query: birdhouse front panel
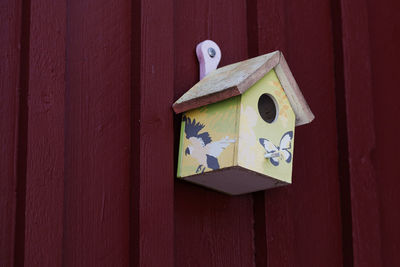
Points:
[209,138]
[266,132]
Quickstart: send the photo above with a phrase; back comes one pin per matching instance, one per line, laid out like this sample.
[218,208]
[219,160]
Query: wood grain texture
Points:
[384,30]
[235,79]
[360,134]
[45,143]
[97,145]
[299,104]
[10,31]
[211,229]
[316,195]
[153,141]
[315,239]
[88,135]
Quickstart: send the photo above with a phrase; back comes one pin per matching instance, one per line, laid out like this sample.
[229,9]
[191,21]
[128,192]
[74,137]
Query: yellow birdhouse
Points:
[237,133]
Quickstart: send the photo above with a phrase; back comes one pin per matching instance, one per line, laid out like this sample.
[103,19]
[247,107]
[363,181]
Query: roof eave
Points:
[297,101]
[276,60]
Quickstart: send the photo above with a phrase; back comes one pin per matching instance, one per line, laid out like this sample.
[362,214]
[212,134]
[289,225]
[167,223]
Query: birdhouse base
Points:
[234,180]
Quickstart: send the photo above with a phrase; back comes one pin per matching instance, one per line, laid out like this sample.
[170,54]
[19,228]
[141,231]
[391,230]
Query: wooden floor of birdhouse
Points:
[235,180]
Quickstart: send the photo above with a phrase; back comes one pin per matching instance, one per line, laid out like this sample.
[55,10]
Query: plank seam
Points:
[260,257]
[341,125]
[22,135]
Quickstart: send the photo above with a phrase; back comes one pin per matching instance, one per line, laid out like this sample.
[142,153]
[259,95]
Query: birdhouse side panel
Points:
[261,135]
[208,139]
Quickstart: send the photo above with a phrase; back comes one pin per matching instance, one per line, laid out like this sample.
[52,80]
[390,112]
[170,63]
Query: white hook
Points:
[209,55]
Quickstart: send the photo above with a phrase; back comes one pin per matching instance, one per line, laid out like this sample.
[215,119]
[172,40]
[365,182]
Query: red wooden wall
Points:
[89,140]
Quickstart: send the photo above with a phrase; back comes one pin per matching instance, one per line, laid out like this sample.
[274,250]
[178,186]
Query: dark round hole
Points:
[267,108]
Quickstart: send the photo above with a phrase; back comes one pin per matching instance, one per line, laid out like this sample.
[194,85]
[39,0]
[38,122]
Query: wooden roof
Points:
[236,78]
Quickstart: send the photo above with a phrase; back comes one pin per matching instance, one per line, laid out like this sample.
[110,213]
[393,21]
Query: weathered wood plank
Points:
[211,229]
[45,142]
[314,196]
[235,79]
[360,134]
[384,32]
[97,154]
[10,31]
[317,195]
[153,148]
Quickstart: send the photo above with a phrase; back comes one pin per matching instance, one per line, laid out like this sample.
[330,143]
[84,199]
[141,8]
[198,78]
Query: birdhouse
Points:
[238,124]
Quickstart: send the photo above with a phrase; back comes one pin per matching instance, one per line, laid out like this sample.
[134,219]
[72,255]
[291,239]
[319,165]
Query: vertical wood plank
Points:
[384,30]
[152,146]
[10,31]
[272,211]
[302,221]
[360,133]
[97,151]
[211,229]
[45,143]
[317,200]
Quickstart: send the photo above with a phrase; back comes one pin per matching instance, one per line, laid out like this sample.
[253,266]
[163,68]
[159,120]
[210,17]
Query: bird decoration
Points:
[274,153]
[201,146]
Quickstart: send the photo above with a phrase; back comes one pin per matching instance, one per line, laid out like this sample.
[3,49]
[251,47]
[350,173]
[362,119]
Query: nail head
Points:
[211,52]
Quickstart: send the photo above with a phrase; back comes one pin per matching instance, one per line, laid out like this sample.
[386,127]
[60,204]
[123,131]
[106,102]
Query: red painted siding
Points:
[153,146]
[385,57]
[10,32]
[89,139]
[315,239]
[44,182]
[97,134]
[210,229]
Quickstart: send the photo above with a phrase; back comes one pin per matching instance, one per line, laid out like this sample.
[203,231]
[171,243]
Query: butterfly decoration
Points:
[276,154]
